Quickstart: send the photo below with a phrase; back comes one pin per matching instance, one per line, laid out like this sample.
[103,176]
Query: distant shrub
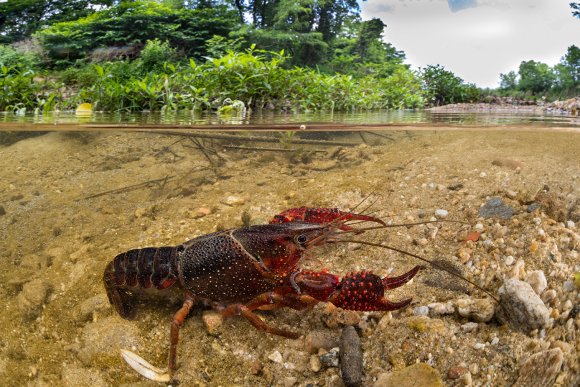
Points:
[11,57]
[155,54]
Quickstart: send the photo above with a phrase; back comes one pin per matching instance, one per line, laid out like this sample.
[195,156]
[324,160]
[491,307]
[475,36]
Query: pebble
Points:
[316,340]
[568,286]
[479,346]
[421,311]
[213,322]
[276,357]
[441,308]
[32,298]
[509,260]
[456,372]
[537,281]
[419,374]
[351,358]
[521,307]
[469,327]
[540,369]
[480,310]
[441,213]
[315,364]
[495,207]
[289,381]
[532,207]
[234,201]
[330,358]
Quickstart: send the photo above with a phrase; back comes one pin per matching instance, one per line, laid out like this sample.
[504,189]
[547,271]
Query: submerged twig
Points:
[160,182]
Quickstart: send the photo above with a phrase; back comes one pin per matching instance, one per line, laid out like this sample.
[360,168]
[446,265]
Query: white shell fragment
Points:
[144,368]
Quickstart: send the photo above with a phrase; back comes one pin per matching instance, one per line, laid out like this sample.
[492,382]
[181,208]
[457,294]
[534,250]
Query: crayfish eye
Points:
[301,239]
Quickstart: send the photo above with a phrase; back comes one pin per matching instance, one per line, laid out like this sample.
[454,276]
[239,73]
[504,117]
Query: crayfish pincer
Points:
[242,270]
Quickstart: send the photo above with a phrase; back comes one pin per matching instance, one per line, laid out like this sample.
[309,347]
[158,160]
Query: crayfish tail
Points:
[121,298]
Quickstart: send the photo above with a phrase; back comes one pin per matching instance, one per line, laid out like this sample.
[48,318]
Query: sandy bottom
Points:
[71,202]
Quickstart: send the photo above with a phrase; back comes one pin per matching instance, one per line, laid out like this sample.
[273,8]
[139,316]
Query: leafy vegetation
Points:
[133,55]
[535,79]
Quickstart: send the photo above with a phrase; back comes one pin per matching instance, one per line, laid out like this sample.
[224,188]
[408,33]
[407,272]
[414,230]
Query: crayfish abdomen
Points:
[150,267]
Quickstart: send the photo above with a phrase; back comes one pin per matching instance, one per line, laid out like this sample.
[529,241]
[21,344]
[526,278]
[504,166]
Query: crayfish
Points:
[242,270]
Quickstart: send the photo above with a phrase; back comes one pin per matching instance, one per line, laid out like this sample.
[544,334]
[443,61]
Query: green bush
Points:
[16,59]
[155,54]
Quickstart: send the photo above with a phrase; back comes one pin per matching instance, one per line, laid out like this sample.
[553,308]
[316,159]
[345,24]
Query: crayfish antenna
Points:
[144,368]
[430,262]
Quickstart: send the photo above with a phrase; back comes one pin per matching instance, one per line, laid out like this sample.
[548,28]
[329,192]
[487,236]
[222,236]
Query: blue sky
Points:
[477,39]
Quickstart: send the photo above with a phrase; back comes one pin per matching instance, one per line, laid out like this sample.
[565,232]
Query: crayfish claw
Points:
[144,368]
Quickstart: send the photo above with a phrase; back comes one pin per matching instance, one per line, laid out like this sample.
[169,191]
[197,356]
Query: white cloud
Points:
[480,42]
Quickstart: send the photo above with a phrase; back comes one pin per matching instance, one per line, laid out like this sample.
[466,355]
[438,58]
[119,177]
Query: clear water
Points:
[84,189]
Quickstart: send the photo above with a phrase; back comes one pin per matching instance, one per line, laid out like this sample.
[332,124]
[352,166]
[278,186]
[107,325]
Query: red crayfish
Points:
[241,270]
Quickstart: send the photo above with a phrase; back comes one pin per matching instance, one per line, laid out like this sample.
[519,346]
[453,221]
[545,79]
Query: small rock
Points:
[456,372]
[521,307]
[416,375]
[256,367]
[276,357]
[351,358]
[478,346]
[421,311]
[568,286]
[330,358]
[532,207]
[315,364]
[540,369]
[441,213]
[537,281]
[480,310]
[509,260]
[495,207]
[441,308]
[201,212]
[289,381]
[316,340]
[32,297]
[213,322]
[473,236]
[234,201]
[469,327]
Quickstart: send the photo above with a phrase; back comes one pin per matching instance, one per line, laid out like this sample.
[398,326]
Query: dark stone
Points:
[351,358]
[533,207]
[495,207]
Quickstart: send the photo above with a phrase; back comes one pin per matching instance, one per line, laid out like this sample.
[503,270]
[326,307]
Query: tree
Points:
[535,77]
[567,72]
[443,87]
[508,81]
[19,19]
[132,24]
[575,9]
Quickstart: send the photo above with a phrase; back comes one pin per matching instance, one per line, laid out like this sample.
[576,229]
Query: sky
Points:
[477,39]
